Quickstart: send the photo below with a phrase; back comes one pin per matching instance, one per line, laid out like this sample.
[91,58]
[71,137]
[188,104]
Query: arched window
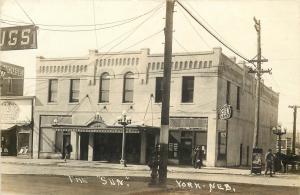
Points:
[104,62]
[137,61]
[124,61]
[176,65]
[210,64]
[81,68]
[58,68]
[100,62]
[77,68]
[180,65]
[117,61]
[108,62]
[85,68]
[104,88]
[132,61]
[162,65]
[66,68]
[74,68]
[128,87]
[47,68]
[54,69]
[51,68]
[185,64]
[205,64]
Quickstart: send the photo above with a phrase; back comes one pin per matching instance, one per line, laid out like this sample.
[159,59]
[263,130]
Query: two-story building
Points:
[79,100]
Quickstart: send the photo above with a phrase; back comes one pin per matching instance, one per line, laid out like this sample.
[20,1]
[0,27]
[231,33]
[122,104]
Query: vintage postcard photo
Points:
[149,97]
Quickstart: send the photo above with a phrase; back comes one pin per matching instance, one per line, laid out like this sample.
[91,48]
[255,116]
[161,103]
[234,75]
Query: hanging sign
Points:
[225,112]
[18,38]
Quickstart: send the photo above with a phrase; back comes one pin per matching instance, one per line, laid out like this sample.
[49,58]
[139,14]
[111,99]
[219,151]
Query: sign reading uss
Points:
[18,38]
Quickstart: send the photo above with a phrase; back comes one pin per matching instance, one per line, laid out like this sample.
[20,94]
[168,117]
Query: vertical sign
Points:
[18,38]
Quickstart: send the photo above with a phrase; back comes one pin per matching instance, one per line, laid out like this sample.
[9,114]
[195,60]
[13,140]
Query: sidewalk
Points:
[97,164]
[13,165]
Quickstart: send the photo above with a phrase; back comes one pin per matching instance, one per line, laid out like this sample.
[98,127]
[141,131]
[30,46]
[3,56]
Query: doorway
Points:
[84,146]
[66,139]
[185,157]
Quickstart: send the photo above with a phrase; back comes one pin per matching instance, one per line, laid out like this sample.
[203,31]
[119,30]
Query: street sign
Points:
[225,112]
[18,38]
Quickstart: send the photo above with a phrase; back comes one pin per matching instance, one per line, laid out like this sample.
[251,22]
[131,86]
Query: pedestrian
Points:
[198,157]
[68,150]
[269,159]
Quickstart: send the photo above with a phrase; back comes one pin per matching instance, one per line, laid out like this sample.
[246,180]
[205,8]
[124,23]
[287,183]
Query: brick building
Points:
[78,100]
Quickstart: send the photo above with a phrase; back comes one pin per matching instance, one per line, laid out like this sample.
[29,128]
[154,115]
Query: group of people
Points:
[275,162]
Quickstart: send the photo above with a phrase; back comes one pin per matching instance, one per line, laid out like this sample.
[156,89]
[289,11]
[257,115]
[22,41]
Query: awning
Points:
[10,126]
[97,130]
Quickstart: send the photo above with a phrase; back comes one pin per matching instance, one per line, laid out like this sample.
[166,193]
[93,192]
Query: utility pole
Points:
[294,107]
[165,111]
[258,71]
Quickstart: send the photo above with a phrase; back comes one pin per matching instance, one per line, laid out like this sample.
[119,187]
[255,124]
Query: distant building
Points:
[287,143]
[79,100]
[16,112]
[12,80]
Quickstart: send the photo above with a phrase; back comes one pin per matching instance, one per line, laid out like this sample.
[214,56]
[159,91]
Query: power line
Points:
[212,34]
[94,14]
[116,23]
[27,15]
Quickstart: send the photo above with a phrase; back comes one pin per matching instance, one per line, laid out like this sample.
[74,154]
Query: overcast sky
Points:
[232,20]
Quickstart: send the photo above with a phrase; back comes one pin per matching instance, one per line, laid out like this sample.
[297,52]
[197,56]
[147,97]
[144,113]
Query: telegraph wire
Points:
[27,15]
[212,34]
[112,24]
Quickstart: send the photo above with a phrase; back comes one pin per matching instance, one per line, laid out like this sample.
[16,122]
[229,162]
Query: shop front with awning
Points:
[97,141]
[16,126]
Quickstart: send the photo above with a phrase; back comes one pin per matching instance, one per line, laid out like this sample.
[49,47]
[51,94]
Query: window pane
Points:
[128,96]
[187,89]
[52,96]
[74,92]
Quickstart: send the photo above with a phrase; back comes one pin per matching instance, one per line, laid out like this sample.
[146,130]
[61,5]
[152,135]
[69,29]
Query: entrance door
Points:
[185,150]
[84,146]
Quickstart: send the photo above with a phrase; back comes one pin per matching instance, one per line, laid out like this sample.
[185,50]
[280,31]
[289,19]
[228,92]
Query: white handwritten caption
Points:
[102,180]
[211,186]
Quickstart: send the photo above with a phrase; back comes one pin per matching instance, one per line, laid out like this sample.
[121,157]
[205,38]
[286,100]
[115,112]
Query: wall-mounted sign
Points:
[18,38]
[14,112]
[225,112]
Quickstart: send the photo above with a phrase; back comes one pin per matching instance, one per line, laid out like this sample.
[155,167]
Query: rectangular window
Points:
[228,92]
[187,89]
[158,89]
[74,90]
[221,145]
[52,91]
[238,98]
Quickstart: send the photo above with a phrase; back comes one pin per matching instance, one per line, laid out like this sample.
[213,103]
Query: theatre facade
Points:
[79,101]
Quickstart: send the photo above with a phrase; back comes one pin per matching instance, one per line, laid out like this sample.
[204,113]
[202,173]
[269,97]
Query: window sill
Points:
[103,103]
[127,103]
[187,103]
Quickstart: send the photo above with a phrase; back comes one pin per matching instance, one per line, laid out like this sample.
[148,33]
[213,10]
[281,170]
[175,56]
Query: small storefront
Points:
[16,126]
[185,135]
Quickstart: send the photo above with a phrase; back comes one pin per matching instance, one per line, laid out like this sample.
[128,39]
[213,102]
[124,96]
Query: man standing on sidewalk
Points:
[68,150]
[269,159]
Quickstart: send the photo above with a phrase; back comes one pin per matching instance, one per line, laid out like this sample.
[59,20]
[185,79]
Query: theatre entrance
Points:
[108,147]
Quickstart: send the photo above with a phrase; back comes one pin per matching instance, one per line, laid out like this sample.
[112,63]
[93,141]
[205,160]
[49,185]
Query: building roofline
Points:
[7,63]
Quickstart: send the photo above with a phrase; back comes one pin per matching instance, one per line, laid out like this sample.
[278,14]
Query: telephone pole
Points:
[164,131]
[258,71]
[294,107]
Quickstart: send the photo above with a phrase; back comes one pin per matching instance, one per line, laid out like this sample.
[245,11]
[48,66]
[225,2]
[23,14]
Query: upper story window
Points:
[228,92]
[187,89]
[52,90]
[104,88]
[238,98]
[158,89]
[74,90]
[128,87]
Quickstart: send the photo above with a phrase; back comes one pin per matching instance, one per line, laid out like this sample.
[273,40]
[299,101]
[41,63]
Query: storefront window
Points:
[221,145]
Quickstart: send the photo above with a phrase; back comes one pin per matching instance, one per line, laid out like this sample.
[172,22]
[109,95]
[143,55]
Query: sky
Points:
[232,20]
